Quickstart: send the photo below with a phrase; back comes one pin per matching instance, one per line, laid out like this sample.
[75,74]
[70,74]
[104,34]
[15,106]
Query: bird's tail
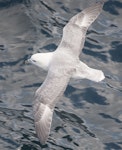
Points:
[85,72]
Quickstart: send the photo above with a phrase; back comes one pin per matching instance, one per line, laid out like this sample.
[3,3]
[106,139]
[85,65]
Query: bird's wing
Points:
[88,15]
[46,98]
[75,30]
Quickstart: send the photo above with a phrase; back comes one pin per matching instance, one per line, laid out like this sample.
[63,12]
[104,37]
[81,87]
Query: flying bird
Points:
[63,64]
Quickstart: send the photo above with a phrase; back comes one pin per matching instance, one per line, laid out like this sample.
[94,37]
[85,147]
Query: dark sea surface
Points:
[89,115]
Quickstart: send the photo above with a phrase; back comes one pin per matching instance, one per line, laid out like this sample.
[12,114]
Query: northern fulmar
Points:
[63,64]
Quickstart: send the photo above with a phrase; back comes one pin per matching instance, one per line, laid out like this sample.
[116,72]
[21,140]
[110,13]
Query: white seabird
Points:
[63,64]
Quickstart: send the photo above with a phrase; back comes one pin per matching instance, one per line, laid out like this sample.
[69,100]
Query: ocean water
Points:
[89,114]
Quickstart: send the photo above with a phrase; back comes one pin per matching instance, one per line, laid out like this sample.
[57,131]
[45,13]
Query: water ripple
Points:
[91,117]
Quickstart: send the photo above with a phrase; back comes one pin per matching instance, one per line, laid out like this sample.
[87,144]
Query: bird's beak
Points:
[28,61]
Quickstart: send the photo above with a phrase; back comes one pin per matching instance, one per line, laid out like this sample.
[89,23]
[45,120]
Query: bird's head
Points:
[41,60]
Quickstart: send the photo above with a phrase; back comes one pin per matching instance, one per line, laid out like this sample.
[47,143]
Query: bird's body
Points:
[63,64]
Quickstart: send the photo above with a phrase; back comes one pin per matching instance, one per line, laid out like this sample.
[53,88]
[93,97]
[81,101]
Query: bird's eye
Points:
[34,60]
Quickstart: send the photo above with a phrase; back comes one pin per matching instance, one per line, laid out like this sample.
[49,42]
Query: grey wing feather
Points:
[46,97]
[43,118]
[75,30]
[87,16]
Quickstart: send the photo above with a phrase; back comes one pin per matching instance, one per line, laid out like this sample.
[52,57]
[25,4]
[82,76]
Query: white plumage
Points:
[62,65]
